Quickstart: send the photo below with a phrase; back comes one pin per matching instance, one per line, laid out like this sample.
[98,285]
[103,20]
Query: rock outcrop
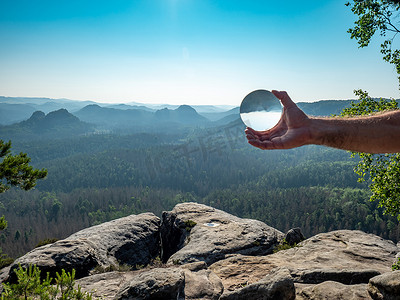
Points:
[209,254]
[385,286]
[276,285]
[194,232]
[133,240]
[332,290]
[343,256]
[164,283]
[294,236]
[191,282]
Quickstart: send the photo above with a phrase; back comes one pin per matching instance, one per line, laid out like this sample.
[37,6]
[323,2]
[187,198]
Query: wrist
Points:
[323,133]
[316,134]
[331,132]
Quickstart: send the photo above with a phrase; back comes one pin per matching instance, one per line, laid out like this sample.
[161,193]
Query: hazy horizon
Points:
[155,104]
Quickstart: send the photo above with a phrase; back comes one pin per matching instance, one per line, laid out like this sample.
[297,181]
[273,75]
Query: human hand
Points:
[292,130]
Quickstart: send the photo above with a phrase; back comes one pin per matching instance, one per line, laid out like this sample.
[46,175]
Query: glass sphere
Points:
[260,110]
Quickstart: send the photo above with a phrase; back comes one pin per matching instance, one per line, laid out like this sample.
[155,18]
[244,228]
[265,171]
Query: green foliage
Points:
[30,286]
[157,263]
[139,267]
[16,171]
[176,262]
[121,267]
[46,242]
[3,223]
[382,169]
[189,224]
[284,245]
[100,269]
[5,260]
[373,16]
[367,105]
[396,265]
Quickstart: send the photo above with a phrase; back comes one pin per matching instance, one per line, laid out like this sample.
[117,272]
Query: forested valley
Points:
[103,175]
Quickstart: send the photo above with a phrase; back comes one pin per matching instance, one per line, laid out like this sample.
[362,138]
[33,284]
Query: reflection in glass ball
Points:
[260,110]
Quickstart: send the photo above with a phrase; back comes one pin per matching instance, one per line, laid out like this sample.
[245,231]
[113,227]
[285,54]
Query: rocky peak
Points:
[36,116]
[210,254]
[186,108]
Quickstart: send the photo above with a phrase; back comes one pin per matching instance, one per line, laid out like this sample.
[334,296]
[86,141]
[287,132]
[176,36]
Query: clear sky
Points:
[185,51]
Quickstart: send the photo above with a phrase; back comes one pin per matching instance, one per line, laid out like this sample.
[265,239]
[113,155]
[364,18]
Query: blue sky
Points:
[185,51]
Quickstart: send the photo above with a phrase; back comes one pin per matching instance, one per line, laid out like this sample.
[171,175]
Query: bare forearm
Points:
[373,134]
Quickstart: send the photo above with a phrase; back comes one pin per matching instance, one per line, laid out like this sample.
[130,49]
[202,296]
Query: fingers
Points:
[284,97]
[250,130]
[255,132]
[265,145]
[258,135]
[251,134]
[256,139]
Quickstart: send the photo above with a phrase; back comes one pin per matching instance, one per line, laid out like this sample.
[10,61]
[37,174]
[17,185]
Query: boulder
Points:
[133,240]
[276,285]
[190,282]
[105,285]
[64,254]
[294,236]
[332,290]
[159,283]
[194,232]
[345,256]
[385,286]
[202,285]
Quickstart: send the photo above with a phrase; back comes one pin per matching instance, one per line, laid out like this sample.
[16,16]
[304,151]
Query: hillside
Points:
[112,118]
[325,107]
[55,125]
[12,113]
[184,114]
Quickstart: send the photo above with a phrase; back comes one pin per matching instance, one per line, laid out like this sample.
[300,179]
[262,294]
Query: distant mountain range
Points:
[17,109]
[35,118]
[112,118]
[93,118]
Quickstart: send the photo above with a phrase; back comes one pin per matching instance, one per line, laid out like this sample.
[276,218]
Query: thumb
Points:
[284,98]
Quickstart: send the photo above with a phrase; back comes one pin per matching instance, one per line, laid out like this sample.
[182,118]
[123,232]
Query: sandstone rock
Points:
[354,254]
[203,284]
[197,284]
[220,256]
[64,254]
[133,240]
[105,285]
[4,274]
[195,232]
[160,283]
[195,266]
[331,290]
[343,276]
[385,286]
[294,236]
[277,285]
